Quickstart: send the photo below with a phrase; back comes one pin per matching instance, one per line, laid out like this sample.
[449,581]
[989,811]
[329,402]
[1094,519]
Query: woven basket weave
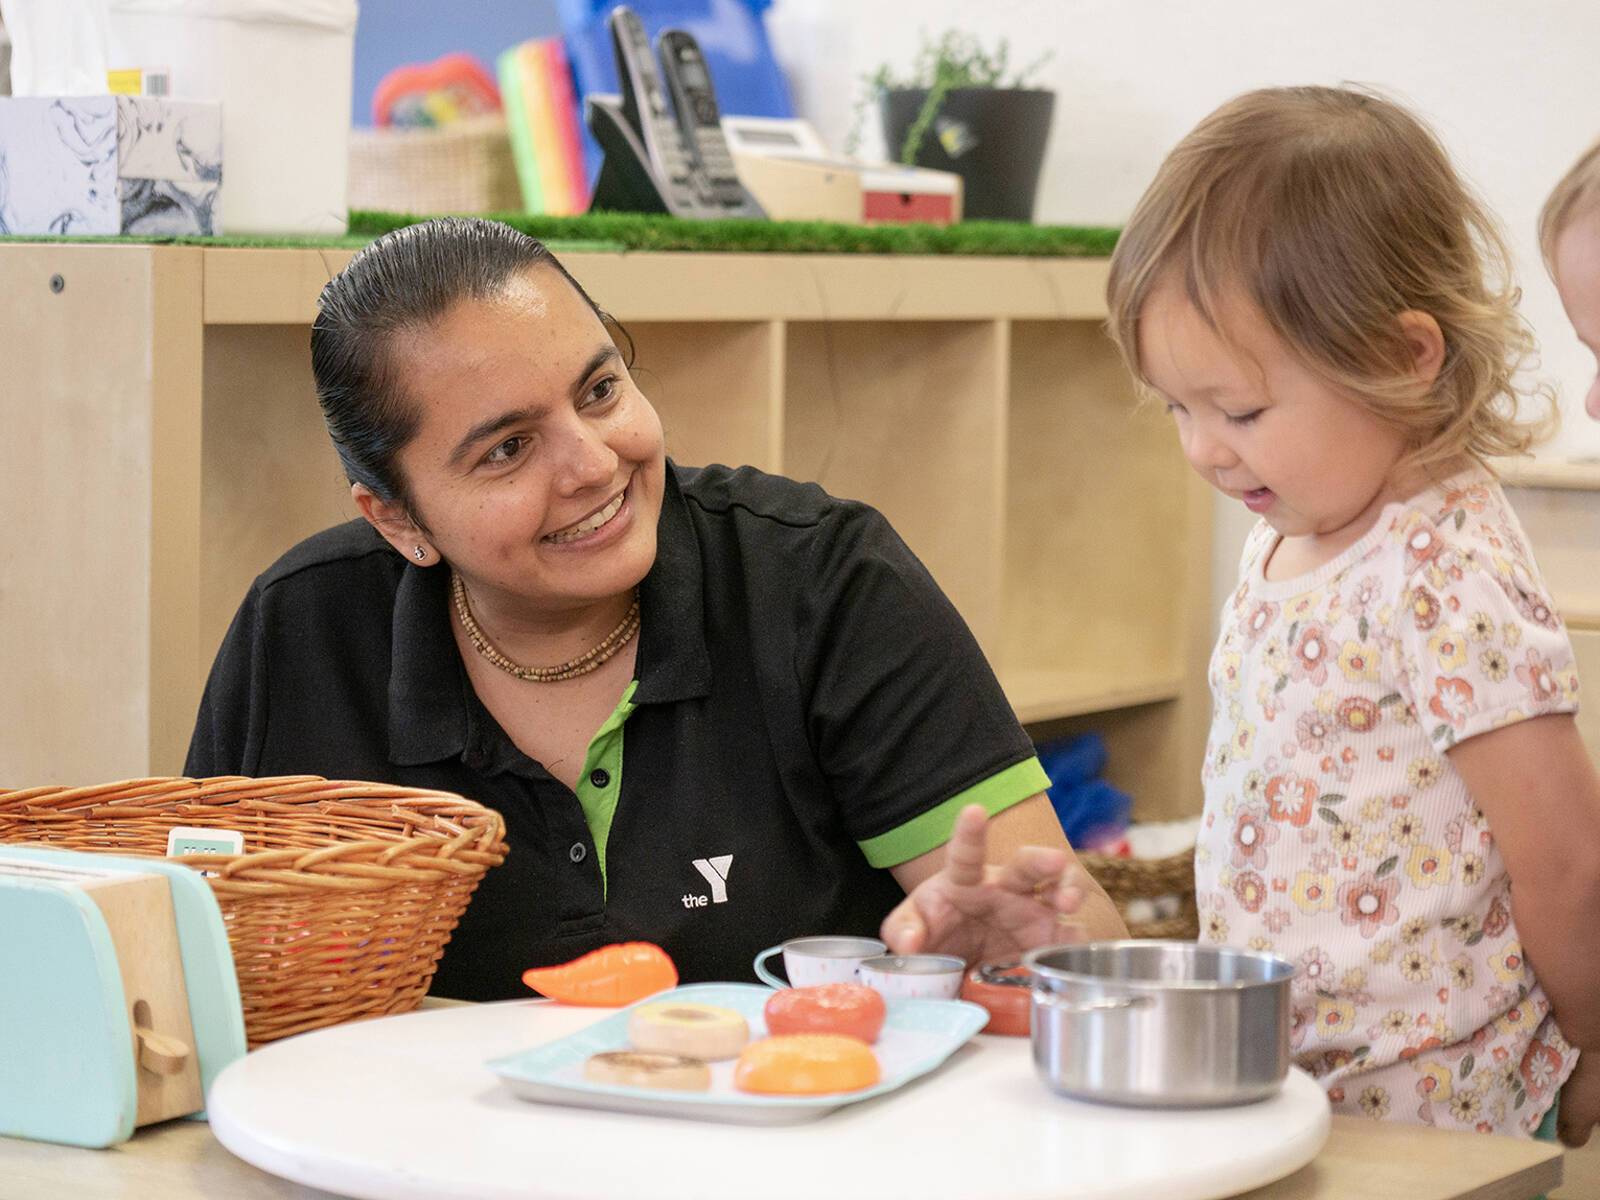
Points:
[463,167]
[1126,879]
[344,901]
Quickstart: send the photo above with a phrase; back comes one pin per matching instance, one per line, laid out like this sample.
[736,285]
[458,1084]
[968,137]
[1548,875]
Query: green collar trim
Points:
[604,755]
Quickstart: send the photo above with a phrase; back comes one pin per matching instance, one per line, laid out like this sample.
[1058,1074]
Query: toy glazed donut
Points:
[701,1031]
[630,1068]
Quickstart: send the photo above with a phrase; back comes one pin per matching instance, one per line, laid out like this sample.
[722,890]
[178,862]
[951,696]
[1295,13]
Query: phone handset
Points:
[695,101]
[646,109]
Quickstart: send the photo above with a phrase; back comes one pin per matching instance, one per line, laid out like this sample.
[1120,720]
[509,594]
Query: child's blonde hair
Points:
[1577,195]
[1334,210]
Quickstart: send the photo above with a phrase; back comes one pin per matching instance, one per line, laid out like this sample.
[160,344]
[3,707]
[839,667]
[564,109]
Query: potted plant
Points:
[962,109]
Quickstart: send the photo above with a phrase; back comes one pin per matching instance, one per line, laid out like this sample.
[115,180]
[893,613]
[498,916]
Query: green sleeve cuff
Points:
[931,829]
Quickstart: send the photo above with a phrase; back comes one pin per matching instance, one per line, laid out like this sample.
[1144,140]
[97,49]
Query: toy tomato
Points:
[806,1065]
[844,1008]
[608,977]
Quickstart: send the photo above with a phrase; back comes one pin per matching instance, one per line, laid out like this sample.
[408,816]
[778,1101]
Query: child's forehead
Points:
[1577,253]
[1223,349]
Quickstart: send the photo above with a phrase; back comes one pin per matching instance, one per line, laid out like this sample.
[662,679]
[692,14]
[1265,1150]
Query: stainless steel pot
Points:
[1162,1024]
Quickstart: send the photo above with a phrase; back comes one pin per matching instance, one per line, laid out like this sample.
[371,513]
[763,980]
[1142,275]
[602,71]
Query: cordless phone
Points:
[650,165]
[696,103]
[645,107]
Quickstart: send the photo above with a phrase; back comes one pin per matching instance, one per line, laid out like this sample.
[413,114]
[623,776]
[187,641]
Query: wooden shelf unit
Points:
[171,448]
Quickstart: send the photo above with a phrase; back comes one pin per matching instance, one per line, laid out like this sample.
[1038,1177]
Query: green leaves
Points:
[956,59]
[1325,810]
[1386,866]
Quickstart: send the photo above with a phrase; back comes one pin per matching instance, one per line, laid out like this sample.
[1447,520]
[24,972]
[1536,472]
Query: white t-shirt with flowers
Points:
[1337,833]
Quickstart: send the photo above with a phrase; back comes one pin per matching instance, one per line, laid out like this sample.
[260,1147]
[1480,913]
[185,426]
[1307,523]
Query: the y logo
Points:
[715,870]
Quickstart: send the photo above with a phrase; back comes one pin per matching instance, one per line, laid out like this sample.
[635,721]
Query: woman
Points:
[538,599]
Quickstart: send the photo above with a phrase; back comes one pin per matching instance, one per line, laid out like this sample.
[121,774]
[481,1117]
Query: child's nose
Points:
[1206,451]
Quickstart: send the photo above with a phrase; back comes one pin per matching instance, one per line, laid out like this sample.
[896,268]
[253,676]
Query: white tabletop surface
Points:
[403,1108]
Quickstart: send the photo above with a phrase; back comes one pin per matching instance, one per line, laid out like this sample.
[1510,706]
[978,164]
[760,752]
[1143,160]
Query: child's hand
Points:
[1580,1101]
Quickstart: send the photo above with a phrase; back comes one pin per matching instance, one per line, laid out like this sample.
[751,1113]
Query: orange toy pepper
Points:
[608,977]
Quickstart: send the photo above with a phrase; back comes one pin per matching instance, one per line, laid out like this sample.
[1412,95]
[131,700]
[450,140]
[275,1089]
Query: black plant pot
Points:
[992,137]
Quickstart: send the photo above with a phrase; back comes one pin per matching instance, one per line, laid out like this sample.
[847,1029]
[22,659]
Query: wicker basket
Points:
[463,167]
[1126,879]
[343,904]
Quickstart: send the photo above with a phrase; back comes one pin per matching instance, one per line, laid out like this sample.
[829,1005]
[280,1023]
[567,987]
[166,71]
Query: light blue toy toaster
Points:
[118,999]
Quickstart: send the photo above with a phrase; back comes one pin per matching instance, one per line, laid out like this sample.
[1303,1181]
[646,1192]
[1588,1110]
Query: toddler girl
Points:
[1569,235]
[1324,309]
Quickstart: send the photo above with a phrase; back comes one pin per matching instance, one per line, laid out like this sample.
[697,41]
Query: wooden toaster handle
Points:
[159,1052]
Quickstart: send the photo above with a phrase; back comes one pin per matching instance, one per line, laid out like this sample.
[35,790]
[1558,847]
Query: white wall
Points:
[1513,89]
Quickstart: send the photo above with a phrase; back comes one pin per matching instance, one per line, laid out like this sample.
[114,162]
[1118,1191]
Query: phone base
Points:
[624,183]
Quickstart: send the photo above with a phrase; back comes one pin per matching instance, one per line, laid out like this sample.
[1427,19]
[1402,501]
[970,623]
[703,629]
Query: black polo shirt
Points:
[808,709]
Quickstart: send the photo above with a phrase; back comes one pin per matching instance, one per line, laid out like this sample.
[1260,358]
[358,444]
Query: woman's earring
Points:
[420,553]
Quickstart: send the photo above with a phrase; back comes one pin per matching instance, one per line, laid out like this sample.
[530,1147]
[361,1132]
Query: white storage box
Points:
[109,164]
[282,69]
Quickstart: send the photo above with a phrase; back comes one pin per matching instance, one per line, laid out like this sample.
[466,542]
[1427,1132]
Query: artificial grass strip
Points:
[636,231]
[621,232]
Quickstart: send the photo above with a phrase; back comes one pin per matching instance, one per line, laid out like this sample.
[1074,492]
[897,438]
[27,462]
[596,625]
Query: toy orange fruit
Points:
[806,1064]
[848,1008]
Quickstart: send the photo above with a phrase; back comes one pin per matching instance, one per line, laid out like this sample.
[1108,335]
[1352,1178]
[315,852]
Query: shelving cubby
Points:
[975,401]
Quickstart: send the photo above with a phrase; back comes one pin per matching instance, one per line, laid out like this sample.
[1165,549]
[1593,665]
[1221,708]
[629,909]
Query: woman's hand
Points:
[981,912]
[1580,1101]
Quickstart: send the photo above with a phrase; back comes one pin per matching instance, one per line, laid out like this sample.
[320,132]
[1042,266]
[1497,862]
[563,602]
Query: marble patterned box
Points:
[110,165]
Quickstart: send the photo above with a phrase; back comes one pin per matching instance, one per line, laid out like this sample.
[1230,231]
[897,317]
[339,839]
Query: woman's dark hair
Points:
[404,280]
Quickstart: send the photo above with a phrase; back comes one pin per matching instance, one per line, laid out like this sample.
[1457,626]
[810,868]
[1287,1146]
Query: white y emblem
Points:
[715,870]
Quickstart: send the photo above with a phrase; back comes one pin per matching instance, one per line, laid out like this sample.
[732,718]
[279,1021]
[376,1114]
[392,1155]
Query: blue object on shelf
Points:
[1091,811]
[733,38]
[1072,760]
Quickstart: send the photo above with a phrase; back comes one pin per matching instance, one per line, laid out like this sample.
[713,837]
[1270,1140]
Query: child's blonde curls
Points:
[1334,210]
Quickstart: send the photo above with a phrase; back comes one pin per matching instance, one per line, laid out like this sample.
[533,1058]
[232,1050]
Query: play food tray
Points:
[917,1036]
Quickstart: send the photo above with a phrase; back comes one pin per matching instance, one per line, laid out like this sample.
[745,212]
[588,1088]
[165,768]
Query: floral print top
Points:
[1338,835]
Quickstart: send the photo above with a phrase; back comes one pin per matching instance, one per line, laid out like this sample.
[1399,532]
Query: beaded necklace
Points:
[571,669]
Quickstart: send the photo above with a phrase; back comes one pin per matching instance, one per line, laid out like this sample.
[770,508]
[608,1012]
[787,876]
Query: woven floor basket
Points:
[342,904]
[1126,879]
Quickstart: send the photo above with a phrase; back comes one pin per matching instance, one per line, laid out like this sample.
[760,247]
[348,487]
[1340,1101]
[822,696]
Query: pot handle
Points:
[1119,1004]
[992,973]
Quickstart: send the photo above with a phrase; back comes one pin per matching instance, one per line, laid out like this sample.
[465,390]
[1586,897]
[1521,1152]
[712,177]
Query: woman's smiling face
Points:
[537,466]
